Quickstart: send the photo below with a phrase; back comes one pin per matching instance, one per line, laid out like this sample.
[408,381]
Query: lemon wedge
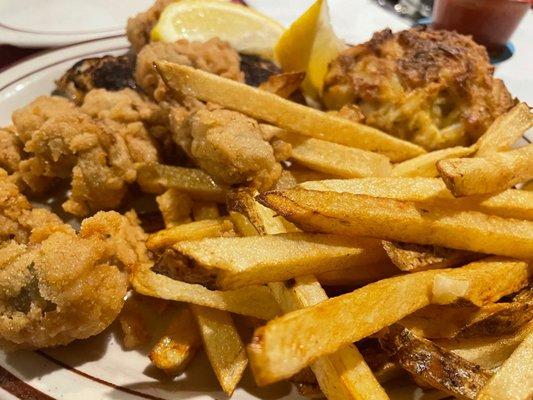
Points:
[309,45]
[244,29]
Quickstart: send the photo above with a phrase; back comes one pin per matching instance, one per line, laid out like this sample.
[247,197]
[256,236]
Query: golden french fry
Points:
[306,384]
[511,203]
[415,257]
[446,322]
[202,210]
[505,130]
[177,347]
[343,375]
[223,346]
[346,364]
[175,207]
[509,319]
[514,379]
[242,261]
[425,165]
[492,173]
[283,85]
[488,352]
[191,231]
[511,276]
[289,343]
[263,219]
[155,178]
[133,323]
[303,174]
[433,365]
[335,159]
[350,214]
[254,301]
[288,115]
[358,276]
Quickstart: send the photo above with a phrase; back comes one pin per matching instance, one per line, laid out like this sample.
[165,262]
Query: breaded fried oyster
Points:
[214,56]
[229,146]
[435,88]
[55,285]
[94,146]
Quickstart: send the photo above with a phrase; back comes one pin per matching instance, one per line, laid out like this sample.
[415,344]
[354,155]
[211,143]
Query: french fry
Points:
[242,261]
[289,343]
[288,115]
[346,364]
[156,178]
[433,365]
[221,339]
[511,203]
[306,384]
[349,214]
[495,277]
[223,346]
[177,347]
[303,174]
[175,207]
[410,257]
[335,159]
[283,85]
[447,322]
[488,352]
[341,376]
[425,165]
[514,379]
[512,275]
[505,130]
[254,301]
[191,231]
[133,323]
[202,210]
[491,173]
[358,276]
[263,219]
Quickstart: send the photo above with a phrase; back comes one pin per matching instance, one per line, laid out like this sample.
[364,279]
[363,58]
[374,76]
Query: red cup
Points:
[490,22]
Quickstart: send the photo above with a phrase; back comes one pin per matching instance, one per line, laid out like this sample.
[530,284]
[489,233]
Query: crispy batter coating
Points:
[19,221]
[213,56]
[122,235]
[435,88]
[57,291]
[56,286]
[133,117]
[95,146]
[31,117]
[75,145]
[230,147]
[10,149]
[139,27]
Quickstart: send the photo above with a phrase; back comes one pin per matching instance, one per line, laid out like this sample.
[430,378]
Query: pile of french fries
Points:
[431,252]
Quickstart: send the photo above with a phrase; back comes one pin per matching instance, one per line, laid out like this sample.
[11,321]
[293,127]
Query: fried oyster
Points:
[55,285]
[435,88]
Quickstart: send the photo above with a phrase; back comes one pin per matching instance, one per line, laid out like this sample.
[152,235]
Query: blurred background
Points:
[505,27]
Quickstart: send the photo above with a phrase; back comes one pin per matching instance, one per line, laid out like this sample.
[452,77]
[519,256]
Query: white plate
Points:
[52,23]
[99,368]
